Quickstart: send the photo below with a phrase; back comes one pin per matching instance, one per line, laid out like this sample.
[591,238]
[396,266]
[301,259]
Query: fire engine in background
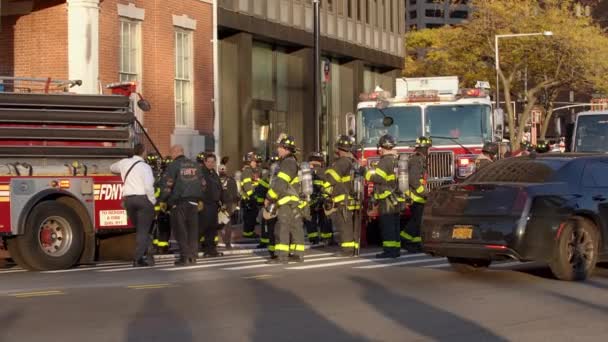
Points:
[591,132]
[459,121]
[57,194]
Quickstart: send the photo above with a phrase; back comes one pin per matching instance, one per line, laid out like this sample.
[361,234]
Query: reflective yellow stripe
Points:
[391,177]
[313,235]
[272,194]
[271,248]
[318,182]
[391,244]
[339,198]
[260,199]
[410,238]
[333,174]
[381,173]
[248,234]
[351,244]
[284,176]
[345,179]
[288,199]
[264,240]
[368,175]
[157,208]
[295,180]
[383,195]
[155,242]
[353,207]
[246,180]
[263,183]
[157,192]
[326,185]
[326,235]
[415,197]
[281,247]
[297,248]
[249,193]
[162,243]
[302,204]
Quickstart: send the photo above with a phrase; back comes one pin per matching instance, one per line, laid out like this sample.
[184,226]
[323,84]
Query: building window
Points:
[433,13]
[459,14]
[432,26]
[262,66]
[412,2]
[413,14]
[130,51]
[183,79]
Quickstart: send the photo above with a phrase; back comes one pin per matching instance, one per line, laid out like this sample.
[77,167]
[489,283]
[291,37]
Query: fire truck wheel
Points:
[15,253]
[53,237]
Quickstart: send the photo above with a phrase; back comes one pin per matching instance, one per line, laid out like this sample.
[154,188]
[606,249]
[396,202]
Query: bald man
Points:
[182,191]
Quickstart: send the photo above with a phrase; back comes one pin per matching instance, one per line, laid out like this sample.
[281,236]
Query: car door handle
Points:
[599,198]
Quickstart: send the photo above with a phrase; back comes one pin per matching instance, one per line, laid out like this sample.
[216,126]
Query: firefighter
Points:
[250,177]
[340,204]
[487,156]
[182,191]
[284,196]
[162,233]
[416,195]
[260,192]
[387,196]
[230,203]
[318,227]
[212,195]
[542,146]
[269,221]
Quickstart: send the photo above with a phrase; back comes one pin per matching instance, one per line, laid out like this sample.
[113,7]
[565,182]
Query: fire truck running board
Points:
[76,151]
[51,133]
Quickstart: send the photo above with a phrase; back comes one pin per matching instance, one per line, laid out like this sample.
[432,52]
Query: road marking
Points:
[438,265]
[340,263]
[80,269]
[135,268]
[398,263]
[148,286]
[508,264]
[37,294]
[248,267]
[259,276]
[20,270]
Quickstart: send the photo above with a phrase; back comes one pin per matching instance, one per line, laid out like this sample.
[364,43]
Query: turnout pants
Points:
[268,233]
[411,233]
[141,212]
[250,216]
[319,226]
[208,226]
[163,231]
[343,220]
[289,232]
[389,226]
[184,220]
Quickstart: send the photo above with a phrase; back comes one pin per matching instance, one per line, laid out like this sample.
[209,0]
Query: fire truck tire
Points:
[15,253]
[53,237]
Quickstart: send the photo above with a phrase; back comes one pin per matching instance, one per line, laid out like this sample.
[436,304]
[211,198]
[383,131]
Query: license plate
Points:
[462,232]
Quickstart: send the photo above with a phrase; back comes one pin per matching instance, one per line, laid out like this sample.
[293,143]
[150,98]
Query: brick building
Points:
[163,45]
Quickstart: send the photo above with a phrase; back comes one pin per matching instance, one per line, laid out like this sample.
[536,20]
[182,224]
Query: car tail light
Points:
[465,166]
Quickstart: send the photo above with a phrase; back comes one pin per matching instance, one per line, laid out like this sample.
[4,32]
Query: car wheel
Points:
[576,250]
[53,237]
[466,265]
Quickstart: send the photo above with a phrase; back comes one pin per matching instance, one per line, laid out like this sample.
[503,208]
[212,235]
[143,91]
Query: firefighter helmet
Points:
[526,146]
[200,157]
[152,159]
[273,158]
[316,157]
[166,161]
[289,143]
[542,146]
[490,148]
[387,142]
[344,143]
[424,142]
[250,157]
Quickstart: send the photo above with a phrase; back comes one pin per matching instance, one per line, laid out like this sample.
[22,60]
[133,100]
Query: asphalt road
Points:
[239,298]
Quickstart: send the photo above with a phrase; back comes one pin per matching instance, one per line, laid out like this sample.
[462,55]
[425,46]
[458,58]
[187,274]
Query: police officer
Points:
[212,195]
[250,177]
[269,221]
[285,195]
[387,196]
[319,226]
[162,231]
[339,185]
[488,153]
[230,202]
[416,195]
[182,191]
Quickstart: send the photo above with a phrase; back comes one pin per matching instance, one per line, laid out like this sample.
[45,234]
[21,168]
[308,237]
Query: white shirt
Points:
[140,180]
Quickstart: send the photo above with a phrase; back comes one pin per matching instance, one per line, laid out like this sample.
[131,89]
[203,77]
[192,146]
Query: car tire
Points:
[576,250]
[466,265]
[53,238]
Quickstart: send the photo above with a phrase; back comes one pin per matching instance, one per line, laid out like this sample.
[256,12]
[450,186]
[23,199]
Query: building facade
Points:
[423,14]
[266,63]
[165,46]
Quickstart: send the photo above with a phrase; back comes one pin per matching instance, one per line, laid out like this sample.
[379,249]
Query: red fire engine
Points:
[57,194]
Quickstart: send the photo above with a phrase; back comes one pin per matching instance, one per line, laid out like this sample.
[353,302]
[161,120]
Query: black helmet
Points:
[200,157]
[273,158]
[288,142]
[166,161]
[387,142]
[316,157]
[152,159]
[490,148]
[344,143]
[542,146]
[424,142]
[250,157]
[526,146]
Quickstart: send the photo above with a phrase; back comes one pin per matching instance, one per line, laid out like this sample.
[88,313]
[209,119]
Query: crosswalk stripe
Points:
[247,267]
[446,264]
[79,269]
[220,264]
[390,264]
[20,270]
[348,262]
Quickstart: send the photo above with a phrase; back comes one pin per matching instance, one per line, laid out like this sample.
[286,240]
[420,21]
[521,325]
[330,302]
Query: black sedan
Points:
[551,208]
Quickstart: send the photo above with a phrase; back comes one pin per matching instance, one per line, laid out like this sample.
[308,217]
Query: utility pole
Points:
[317,76]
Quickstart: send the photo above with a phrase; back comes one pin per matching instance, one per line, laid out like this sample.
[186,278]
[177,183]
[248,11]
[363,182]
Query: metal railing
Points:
[36,85]
[141,137]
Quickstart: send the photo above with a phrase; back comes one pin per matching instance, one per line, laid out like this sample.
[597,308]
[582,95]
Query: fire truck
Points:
[459,121]
[57,194]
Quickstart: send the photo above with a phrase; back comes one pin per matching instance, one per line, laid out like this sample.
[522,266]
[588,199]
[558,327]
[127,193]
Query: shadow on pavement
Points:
[580,302]
[8,319]
[424,319]
[282,316]
[156,321]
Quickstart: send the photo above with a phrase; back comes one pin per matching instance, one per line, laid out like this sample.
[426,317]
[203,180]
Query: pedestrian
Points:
[212,195]
[341,204]
[250,177]
[138,200]
[387,196]
[487,156]
[284,194]
[182,192]
[230,203]
[416,194]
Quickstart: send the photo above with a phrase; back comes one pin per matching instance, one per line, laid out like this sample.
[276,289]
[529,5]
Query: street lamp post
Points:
[496,57]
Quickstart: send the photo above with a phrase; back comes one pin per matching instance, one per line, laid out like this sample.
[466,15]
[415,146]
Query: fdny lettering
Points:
[188,172]
[110,192]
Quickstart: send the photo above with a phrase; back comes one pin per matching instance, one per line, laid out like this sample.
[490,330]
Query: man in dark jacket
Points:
[182,191]
[212,195]
[416,194]
[250,177]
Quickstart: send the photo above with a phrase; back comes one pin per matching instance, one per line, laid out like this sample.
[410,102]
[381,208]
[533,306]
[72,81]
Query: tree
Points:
[570,59]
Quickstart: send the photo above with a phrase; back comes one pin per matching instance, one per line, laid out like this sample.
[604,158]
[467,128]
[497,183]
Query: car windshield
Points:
[407,124]
[591,133]
[518,170]
[470,124]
